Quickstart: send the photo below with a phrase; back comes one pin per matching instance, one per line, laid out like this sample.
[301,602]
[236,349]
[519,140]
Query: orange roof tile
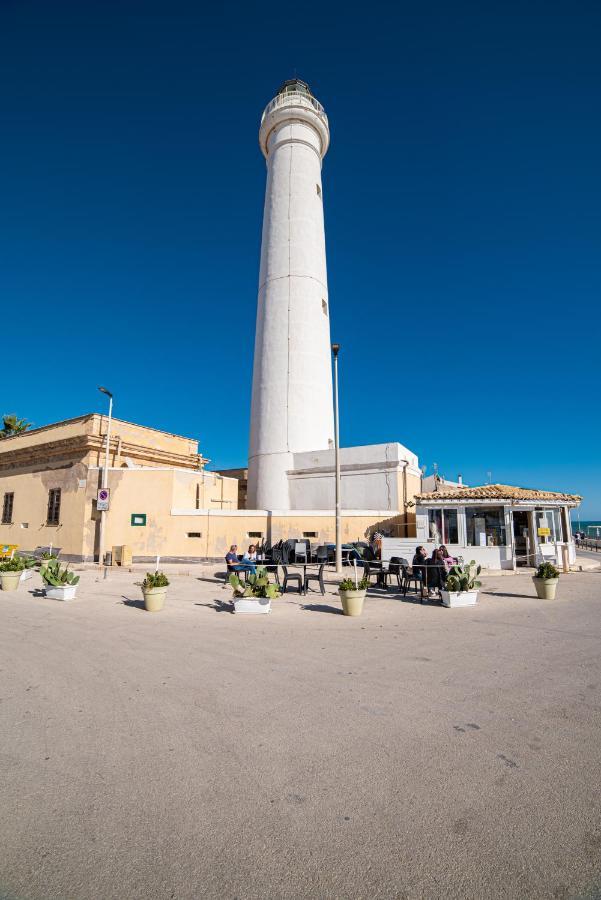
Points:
[496,492]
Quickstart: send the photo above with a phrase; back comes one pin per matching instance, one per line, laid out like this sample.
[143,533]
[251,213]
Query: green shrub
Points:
[547,570]
[17,564]
[55,575]
[258,586]
[464,578]
[348,584]
[155,580]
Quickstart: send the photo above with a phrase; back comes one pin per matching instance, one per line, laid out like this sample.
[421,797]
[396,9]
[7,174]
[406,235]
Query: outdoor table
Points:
[376,565]
[304,567]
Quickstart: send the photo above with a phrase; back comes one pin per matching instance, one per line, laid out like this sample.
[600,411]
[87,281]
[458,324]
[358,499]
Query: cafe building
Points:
[499,526]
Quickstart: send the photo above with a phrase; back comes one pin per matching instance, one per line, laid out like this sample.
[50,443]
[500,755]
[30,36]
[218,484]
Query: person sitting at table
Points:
[251,555]
[437,572]
[235,565]
[447,558]
[418,566]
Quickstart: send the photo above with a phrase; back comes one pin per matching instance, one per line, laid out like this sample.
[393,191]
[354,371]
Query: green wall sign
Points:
[138,518]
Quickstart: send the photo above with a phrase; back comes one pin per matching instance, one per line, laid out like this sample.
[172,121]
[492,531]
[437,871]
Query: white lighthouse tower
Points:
[291,409]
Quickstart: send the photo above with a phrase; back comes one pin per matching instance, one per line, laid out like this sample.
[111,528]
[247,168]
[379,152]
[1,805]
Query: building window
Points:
[450,529]
[485,526]
[442,526]
[7,509]
[257,535]
[309,534]
[324,307]
[54,506]
[318,189]
[194,534]
[549,519]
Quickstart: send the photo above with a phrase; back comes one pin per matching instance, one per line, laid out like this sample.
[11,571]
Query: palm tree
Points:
[13,426]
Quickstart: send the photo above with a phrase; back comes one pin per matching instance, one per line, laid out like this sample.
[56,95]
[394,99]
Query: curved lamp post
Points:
[335,352]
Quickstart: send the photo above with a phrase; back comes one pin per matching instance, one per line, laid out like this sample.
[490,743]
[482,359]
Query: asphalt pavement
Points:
[415,752]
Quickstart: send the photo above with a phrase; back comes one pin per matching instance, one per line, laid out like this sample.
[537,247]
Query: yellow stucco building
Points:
[163,502]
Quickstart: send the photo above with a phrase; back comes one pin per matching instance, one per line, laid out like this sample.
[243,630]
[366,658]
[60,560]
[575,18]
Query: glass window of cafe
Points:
[442,526]
[549,520]
[485,526]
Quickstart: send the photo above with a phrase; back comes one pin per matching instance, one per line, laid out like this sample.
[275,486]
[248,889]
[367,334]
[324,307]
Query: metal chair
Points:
[409,577]
[321,554]
[300,552]
[293,577]
[376,569]
[394,570]
[315,576]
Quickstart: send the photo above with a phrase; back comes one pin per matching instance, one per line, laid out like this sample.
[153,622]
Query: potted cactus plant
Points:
[352,593]
[11,572]
[60,582]
[462,585]
[256,595]
[154,589]
[545,581]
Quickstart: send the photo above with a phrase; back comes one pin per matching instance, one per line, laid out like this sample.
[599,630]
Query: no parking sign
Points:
[103,499]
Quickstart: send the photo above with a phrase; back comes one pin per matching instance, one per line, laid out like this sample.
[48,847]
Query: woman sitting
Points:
[418,566]
[437,572]
[447,558]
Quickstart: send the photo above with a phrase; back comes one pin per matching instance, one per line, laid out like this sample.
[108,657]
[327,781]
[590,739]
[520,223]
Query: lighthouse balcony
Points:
[295,98]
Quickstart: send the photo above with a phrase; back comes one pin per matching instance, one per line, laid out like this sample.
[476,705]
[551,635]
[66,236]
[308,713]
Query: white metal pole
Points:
[335,350]
[105,476]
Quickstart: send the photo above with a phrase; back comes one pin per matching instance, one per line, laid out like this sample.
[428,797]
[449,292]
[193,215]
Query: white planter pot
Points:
[352,601]
[60,593]
[545,587]
[154,598]
[10,580]
[459,598]
[252,606]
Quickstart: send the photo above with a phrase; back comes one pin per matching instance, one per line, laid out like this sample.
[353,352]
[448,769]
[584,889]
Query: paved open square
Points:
[413,752]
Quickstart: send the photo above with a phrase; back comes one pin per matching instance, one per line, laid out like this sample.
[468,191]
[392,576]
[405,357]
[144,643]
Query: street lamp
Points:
[105,475]
[335,351]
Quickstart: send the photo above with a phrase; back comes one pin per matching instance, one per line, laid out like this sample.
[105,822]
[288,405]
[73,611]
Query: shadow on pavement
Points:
[321,607]
[218,606]
[136,604]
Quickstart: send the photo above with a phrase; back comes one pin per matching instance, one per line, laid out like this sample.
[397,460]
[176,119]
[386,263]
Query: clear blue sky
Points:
[462,195]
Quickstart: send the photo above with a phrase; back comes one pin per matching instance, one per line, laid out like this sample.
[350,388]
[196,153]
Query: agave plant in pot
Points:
[545,581]
[154,589]
[256,595]
[352,593]
[60,582]
[12,571]
[462,585]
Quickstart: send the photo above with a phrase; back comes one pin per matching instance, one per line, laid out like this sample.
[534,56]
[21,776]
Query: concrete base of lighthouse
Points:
[268,486]
[375,476]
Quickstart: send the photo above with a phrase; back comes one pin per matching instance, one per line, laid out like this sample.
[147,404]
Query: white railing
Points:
[294,98]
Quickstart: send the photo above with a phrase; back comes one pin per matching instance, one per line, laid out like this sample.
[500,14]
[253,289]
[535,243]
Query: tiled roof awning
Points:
[498,492]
